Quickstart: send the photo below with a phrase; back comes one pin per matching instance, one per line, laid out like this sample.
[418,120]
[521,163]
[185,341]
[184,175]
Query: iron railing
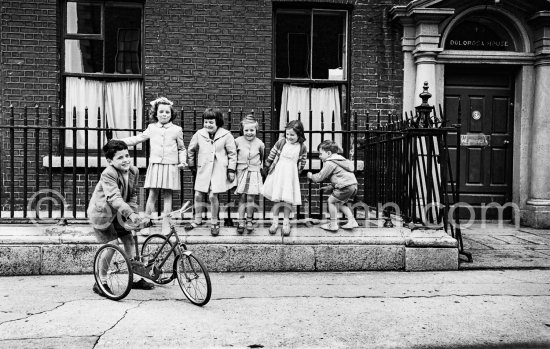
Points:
[402,166]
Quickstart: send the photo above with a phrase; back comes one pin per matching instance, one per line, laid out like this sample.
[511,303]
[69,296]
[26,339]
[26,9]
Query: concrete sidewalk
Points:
[43,249]
[503,246]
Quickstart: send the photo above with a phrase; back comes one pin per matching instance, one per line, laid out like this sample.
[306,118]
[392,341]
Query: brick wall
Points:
[197,53]
[29,74]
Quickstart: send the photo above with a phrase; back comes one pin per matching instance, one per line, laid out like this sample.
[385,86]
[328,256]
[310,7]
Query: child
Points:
[285,162]
[168,154]
[114,202]
[212,159]
[343,182]
[250,156]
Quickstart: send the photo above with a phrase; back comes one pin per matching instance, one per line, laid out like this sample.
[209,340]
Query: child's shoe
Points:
[332,227]
[98,290]
[142,285]
[350,224]
[273,228]
[192,225]
[286,228]
[240,227]
[249,225]
[215,229]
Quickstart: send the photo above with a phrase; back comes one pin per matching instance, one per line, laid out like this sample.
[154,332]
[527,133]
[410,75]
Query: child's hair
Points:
[298,127]
[112,147]
[328,145]
[249,119]
[155,107]
[213,113]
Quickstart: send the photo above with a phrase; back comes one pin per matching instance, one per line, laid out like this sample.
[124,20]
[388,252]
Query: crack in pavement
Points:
[33,314]
[389,297]
[52,337]
[122,318]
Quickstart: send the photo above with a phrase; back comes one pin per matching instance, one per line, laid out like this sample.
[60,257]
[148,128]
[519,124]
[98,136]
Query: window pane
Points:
[123,39]
[329,45]
[292,45]
[83,18]
[83,56]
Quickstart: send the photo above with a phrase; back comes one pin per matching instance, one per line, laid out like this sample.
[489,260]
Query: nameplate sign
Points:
[479,34]
[475,140]
[479,44]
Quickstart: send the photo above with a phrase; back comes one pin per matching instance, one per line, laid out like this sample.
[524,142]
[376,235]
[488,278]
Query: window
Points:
[479,33]
[102,43]
[311,68]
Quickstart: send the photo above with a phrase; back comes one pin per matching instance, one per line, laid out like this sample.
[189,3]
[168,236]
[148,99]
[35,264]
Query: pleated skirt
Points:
[163,176]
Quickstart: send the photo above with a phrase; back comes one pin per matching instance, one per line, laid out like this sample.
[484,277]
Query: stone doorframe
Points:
[425,27]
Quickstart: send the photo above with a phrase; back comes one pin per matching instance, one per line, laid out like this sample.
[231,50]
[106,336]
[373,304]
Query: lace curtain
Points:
[327,100]
[116,102]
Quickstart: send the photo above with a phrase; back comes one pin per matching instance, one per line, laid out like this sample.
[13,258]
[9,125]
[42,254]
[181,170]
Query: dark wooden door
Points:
[486,95]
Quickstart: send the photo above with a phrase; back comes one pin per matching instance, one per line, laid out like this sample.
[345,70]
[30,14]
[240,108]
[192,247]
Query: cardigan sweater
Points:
[250,154]
[166,143]
[275,152]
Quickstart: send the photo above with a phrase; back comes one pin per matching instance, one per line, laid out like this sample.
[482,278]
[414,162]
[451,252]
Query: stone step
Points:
[51,249]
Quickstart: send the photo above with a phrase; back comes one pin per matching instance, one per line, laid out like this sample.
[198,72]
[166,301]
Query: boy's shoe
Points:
[240,227]
[142,285]
[350,225]
[98,290]
[333,228]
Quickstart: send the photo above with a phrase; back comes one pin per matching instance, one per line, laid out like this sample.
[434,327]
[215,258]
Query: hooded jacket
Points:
[338,169]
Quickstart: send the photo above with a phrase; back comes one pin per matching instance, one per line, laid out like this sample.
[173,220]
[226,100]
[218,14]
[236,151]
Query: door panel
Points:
[486,100]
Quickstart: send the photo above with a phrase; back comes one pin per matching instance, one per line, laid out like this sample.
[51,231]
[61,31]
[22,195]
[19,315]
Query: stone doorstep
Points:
[34,250]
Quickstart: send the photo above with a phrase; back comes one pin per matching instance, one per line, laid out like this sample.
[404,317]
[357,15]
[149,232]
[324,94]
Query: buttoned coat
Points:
[212,159]
[166,143]
[107,199]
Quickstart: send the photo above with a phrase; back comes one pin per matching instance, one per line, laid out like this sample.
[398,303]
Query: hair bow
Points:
[161,100]
[249,119]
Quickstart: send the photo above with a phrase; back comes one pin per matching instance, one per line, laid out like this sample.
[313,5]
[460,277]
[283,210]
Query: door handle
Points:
[506,142]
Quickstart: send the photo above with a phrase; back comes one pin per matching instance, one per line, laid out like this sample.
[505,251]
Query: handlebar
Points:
[179,212]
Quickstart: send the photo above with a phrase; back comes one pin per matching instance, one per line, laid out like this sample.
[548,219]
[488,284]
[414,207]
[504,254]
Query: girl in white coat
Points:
[212,158]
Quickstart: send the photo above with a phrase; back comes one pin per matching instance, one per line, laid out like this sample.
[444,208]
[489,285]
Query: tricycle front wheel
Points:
[193,278]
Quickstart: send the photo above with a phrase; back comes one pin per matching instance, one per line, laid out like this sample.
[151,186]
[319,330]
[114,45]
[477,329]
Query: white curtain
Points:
[115,101]
[82,93]
[121,98]
[73,55]
[326,100]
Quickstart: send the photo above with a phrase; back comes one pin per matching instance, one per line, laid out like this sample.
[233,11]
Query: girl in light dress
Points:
[168,153]
[285,162]
[250,156]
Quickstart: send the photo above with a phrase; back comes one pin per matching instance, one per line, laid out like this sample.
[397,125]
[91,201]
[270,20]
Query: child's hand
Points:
[231,176]
[327,189]
[309,175]
[135,218]
[182,166]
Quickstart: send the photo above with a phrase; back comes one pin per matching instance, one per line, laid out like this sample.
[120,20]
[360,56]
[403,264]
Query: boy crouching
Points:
[343,184]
